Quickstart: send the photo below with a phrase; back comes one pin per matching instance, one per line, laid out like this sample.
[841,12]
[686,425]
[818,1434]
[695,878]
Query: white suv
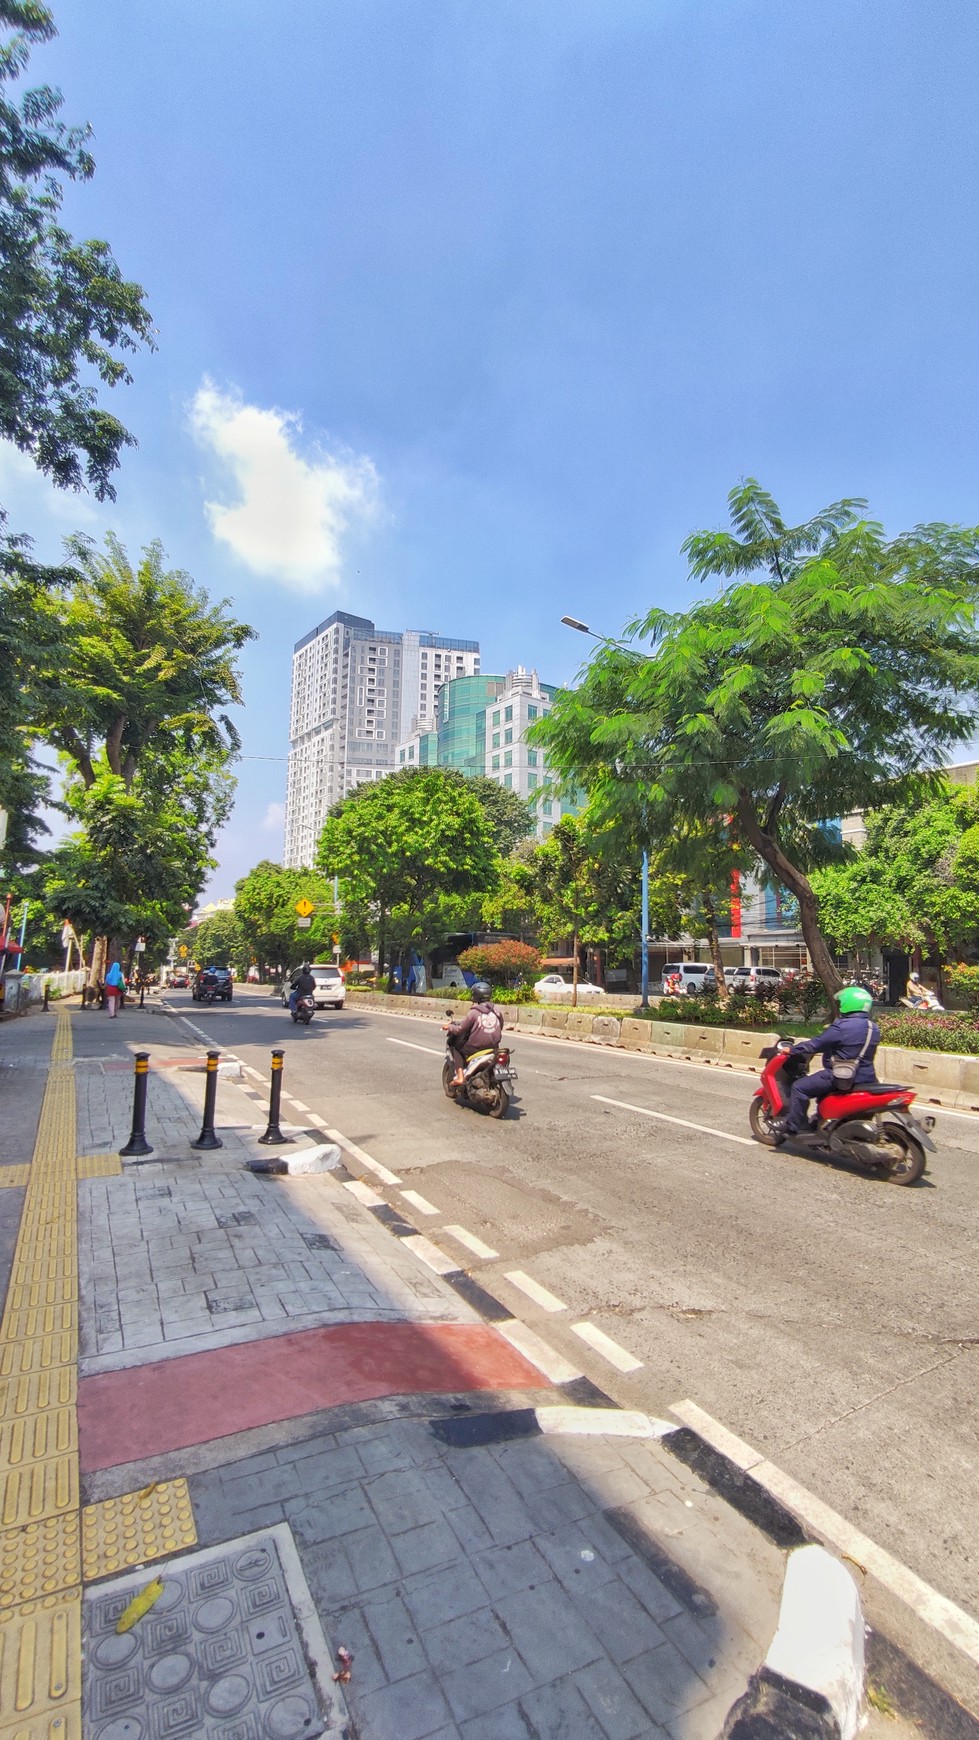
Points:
[331,986]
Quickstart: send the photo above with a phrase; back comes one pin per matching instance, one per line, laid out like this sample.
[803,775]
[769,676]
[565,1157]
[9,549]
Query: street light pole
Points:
[583,628]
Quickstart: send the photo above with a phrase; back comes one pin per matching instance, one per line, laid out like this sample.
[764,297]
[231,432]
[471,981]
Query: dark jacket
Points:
[844,1038]
[480,1028]
[303,984]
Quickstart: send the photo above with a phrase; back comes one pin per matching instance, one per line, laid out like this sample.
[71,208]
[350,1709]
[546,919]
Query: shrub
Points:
[965,983]
[505,963]
[514,994]
[920,1032]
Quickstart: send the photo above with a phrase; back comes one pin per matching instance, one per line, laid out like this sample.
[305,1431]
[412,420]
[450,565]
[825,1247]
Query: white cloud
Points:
[274,819]
[292,513]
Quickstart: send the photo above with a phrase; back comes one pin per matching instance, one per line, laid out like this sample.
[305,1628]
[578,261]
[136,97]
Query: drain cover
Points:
[219,1655]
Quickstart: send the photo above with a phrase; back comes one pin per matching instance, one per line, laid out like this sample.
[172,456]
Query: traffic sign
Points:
[304,924]
[183,951]
[304,907]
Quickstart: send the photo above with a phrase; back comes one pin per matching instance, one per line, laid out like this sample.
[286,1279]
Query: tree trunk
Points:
[795,880]
[96,972]
[710,914]
[574,974]
[381,922]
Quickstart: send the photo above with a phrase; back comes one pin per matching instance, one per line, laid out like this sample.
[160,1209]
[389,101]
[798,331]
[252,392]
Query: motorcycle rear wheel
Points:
[501,1104]
[910,1167]
[447,1073]
[760,1120]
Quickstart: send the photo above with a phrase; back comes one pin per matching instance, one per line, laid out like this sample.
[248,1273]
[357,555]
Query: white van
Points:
[694,976]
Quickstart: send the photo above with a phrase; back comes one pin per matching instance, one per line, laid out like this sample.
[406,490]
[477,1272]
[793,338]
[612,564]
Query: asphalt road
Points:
[829,1319]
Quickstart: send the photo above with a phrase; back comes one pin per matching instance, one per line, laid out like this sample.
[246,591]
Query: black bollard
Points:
[137,1143]
[273,1137]
[45,1003]
[142,992]
[207,1137]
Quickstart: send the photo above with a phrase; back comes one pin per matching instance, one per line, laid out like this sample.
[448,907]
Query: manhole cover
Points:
[219,1654]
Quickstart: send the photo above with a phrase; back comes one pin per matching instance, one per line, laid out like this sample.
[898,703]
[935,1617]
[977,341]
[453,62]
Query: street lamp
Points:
[582,628]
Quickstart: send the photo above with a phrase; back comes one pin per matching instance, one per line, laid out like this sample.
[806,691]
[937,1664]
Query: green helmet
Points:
[854,1000]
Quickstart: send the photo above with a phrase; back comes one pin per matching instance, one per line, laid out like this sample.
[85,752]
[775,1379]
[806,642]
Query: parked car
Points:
[552,986]
[688,978]
[753,978]
[179,980]
[212,985]
[331,986]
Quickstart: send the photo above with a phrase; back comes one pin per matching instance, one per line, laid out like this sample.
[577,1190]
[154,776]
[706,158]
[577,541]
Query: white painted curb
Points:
[819,1640]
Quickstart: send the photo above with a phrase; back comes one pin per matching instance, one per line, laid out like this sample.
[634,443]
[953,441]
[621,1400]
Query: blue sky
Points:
[469,312]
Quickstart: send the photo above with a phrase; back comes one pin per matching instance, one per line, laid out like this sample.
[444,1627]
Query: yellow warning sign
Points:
[304,907]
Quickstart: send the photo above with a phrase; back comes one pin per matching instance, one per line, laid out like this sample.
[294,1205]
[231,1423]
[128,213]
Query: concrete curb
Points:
[811,1684]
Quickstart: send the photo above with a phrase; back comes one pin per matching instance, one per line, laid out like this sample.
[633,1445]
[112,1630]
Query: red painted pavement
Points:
[124,1416]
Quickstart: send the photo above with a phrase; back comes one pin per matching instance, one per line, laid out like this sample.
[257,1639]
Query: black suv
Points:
[212,985]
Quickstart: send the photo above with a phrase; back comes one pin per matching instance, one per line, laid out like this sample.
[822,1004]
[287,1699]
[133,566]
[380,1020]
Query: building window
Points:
[547,807]
[496,740]
[531,712]
[508,758]
[508,781]
[496,717]
[531,758]
[496,763]
[508,736]
[531,782]
[402,755]
[411,753]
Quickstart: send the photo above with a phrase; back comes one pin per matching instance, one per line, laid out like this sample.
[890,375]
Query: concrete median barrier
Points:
[635,1035]
[747,1047]
[579,1024]
[606,1030]
[555,1020]
[709,1039]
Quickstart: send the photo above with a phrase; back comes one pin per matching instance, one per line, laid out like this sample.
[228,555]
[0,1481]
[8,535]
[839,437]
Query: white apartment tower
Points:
[357,691]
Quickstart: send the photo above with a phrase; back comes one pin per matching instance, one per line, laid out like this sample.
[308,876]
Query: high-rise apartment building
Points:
[357,692]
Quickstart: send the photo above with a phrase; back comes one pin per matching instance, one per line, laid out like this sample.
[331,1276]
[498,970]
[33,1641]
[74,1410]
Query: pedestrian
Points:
[114,986]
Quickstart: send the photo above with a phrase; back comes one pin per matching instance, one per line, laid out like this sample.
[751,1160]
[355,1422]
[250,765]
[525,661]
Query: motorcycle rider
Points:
[850,1041]
[478,1030]
[303,985]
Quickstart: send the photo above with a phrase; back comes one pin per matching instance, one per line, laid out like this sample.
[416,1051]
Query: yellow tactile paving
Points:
[40,1520]
[12,1177]
[40,1661]
[99,1166]
[40,1559]
[136,1528]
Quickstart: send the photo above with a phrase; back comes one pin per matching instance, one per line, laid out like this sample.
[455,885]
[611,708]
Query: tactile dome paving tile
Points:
[136,1528]
[40,1559]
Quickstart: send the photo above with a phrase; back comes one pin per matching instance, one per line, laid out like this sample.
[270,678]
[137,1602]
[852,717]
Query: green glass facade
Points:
[462,706]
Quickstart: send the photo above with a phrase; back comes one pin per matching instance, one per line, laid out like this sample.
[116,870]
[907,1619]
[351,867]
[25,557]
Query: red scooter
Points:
[870,1125]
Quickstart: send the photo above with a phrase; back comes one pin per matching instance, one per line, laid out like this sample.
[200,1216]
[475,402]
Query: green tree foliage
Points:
[265,911]
[787,701]
[218,941]
[66,312]
[405,845]
[915,883]
[508,815]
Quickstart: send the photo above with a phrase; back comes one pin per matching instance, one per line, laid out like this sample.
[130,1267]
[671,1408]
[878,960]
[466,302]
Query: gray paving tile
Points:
[665,1683]
[396,1637]
[505,1570]
[610,1700]
[437,1599]
[402,1500]
[618,1619]
[558,1712]
[335,1514]
[411,1710]
[506,1723]
[423,1548]
[466,1640]
[373,1564]
[483,1685]
[549,1631]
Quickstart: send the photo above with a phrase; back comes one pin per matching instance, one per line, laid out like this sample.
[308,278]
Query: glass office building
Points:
[461,721]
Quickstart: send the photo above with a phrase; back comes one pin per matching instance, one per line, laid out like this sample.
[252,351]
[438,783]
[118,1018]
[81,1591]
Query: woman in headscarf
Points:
[114,986]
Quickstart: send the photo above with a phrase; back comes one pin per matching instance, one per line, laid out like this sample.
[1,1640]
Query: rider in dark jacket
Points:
[303,985]
[852,1038]
[479,1029]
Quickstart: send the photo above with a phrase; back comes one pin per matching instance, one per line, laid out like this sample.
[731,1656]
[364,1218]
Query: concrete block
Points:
[555,1020]
[606,1029]
[579,1024]
[666,1033]
[748,1046]
[635,1035]
[710,1039]
[529,1017]
[230,1070]
[298,1163]
[926,1069]
[970,1077]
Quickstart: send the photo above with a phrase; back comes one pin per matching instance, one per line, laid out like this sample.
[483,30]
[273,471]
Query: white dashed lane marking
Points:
[704,1129]
[430,1254]
[534,1290]
[420,1202]
[608,1348]
[364,1193]
[471,1242]
[555,1367]
[409,1046]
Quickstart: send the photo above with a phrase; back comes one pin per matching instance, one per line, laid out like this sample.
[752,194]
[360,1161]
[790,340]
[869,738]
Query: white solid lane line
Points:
[608,1348]
[420,1202]
[705,1129]
[372,1165]
[471,1242]
[936,1610]
[410,1047]
[534,1290]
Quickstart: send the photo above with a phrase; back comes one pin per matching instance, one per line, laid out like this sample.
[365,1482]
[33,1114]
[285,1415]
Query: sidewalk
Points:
[263,1391]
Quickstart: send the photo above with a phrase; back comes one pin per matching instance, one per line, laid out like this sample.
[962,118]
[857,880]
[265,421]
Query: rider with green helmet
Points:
[847,1045]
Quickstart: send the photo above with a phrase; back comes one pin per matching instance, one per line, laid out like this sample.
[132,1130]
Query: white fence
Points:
[18,991]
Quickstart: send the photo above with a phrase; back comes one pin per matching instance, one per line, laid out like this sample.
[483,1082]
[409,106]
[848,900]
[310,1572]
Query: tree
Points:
[508,814]
[66,312]
[915,883]
[218,941]
[136,658]
[502,963]
[265,911]
[787,702]
[406,843]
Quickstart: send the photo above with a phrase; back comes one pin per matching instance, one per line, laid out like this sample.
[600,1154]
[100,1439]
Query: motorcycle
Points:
[922,1000]
[870,1125]
[304,1009]
[489,1077]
